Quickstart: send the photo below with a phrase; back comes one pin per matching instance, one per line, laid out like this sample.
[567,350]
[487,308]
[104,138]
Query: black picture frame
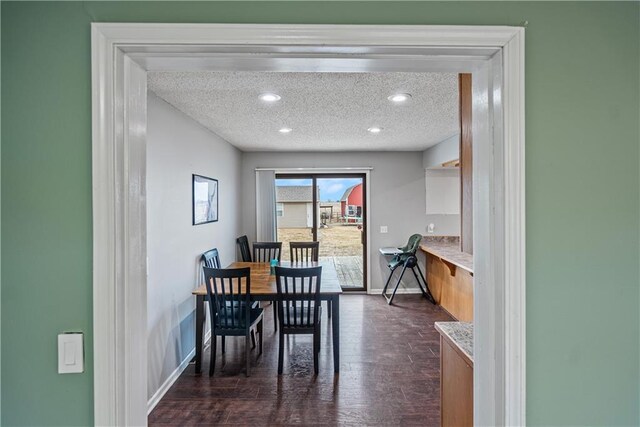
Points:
[204,196]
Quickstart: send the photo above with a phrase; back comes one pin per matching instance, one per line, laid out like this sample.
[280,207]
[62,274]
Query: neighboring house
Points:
[351,204]
[294,206]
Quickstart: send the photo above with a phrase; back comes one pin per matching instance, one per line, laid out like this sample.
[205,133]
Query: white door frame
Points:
[121,55]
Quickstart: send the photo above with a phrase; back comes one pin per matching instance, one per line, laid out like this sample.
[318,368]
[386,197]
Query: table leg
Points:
[199,331]
[335,321]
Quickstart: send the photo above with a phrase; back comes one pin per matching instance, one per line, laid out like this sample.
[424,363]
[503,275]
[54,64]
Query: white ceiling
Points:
[327,111]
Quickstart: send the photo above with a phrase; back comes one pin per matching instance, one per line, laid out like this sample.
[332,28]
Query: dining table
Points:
[264,288]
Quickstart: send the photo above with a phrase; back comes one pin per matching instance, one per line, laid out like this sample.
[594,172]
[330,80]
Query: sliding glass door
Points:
[330,209]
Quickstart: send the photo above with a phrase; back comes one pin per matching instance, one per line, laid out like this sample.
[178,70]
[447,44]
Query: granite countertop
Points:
[460,333]
[448,249]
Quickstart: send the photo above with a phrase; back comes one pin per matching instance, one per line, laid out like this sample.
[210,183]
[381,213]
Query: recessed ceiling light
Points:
[375,129]
[285,130]
[269,97]
[400,97]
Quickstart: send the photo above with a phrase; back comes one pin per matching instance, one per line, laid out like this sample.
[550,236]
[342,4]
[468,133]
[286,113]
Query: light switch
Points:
[383,229]
[431,228]
[70,353]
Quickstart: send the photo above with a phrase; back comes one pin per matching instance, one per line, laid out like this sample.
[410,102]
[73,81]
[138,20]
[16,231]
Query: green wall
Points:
[582,114]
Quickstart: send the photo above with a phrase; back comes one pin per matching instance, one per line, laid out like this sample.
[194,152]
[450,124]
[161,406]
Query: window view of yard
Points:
[339,216]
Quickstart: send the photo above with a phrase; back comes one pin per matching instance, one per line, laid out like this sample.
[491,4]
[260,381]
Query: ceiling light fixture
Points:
[400,97]
[375,130]
[285,130]
[269,97]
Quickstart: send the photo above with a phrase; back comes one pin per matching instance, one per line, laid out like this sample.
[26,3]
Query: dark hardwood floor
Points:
[389,374]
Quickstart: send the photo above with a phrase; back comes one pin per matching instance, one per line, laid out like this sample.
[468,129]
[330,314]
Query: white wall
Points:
[397,190]
[442,152]
[445,224]
[178,147]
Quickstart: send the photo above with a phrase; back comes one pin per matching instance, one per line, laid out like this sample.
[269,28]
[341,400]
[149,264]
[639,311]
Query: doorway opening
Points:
[122,54]
[329,208]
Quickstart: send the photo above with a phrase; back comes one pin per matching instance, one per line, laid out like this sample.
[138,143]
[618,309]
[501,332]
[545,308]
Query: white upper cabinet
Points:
[443,191]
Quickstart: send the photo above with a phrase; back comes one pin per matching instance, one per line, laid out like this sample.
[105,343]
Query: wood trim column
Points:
[466,164]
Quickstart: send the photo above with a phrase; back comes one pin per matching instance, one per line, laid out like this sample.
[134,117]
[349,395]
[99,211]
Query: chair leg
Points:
[428,293]
[253,339]
[247,351]
[424,293]
[212,360]
[222,338]
[280,352]
[260,332]
[316,349]
[390,300]
[386,285]
[275,317]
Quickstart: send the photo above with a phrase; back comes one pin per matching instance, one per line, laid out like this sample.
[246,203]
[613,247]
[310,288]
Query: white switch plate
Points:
[431,228]
[70,353]
[384,229]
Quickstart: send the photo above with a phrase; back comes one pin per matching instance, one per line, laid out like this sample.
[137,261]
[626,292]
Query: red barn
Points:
[351,204]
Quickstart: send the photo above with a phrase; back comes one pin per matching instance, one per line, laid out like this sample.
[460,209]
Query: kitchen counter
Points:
[449,273]
[448,249]
[460,334]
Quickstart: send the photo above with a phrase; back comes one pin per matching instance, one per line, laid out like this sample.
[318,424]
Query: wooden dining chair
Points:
[306,252]
[266,251]
[299,308]
[211,258]
[232,314]
[243,244]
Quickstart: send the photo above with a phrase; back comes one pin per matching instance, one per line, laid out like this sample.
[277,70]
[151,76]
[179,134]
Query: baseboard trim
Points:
[400,291]
[159,394]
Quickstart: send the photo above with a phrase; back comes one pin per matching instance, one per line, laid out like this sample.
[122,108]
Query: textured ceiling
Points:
[327,111]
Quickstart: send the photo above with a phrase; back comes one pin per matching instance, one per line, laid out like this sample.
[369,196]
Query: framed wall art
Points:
[205,199]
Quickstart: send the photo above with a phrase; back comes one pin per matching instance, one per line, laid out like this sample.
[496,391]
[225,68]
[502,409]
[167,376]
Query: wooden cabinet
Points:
[456,385]
[451,286]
